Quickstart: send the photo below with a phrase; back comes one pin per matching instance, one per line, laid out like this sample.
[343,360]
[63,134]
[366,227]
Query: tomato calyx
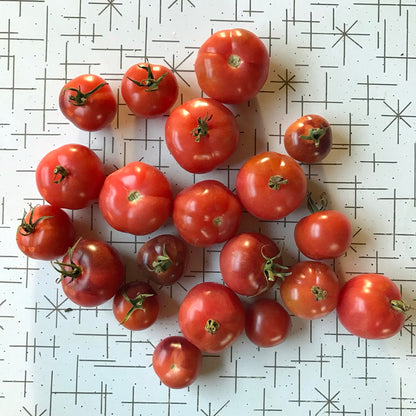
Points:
[319,293]
[60,173]
[136,303]
[150,83]
[270,268]
[400,305]
[162,262]
[81,98]
[201,130]
[317,206]
[212,326]
[133,196]
[234,60]
[315,134]
[28,227]
[70,269]
[276,181]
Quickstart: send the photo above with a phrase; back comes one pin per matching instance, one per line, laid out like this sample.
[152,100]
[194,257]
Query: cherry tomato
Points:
[267,323]
[308,139]
[201,134]
[370,306]
[211,316]
[249,263]
[88,102]
[136,305]
[91,272]
[232,65]
[163,259]
[136,199]
[45,233]
[149,90]
[70,176]
[310,290]
[206,213]
[177,362]
[271,185]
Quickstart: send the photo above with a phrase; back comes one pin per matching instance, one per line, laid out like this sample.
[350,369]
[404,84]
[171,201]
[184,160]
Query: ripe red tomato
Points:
[370,306]
[249,263]
[136,199]
[308,139]
[136,305]
[177,362]
[201,134]
[88,102]
[149,90]
[271,185]
[91,272]
[70,176]
[211,316]
[311,290]
[206,213]
[232,65]
[267,323]
[163,259]
[45,233]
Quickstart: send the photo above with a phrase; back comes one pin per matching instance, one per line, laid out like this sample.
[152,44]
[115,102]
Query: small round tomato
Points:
[211,316]
[149,90]
[177,362]
[267,323]
[70,176]
[206,213]
[310,290]
[249,263]
[201,134]
[232,65]
[271,185]
[370,306]
[136,305]
[136,199]
[308,139]
[163,259]
[91,272]
[45,233]
[88,102]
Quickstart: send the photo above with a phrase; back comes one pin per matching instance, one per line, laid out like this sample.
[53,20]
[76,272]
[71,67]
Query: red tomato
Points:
[249,263]
[267,323]
[45,233]
[206,213]
[149,90]
[311,290]
[177,362]
[201,134]
[91,272]
[370,306]
[70,176]
[88,102]
[308,139]
[271,185]
[136,305]
[163,259]
[136,199]
[232,65]
[211,316]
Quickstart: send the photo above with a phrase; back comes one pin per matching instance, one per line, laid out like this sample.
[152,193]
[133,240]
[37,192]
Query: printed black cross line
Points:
[376,259]
[35,347]
[399,5]
[276,367]
[265,409]
[235,17]
[111,7]
[23,382]
[35,411]
[20,2]
[405,402]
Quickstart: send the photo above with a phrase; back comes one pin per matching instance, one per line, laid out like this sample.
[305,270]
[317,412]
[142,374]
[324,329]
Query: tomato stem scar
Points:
[399,305]
[234,61]
[276,181]
[319,293]
[212,326]
[133,196]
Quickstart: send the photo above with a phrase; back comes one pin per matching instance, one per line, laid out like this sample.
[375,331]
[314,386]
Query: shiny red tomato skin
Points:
[364,307]
[323,235]
[223,78]
[136,199]
[143,317]
[99,109]
[267,323]
[198,153]
[301,291]
[257,191]
[299,142]
[206,213]
[49,238]
[242,263]
[144,101]
[101,273]
[214,305]
[177,362]
[78,184]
